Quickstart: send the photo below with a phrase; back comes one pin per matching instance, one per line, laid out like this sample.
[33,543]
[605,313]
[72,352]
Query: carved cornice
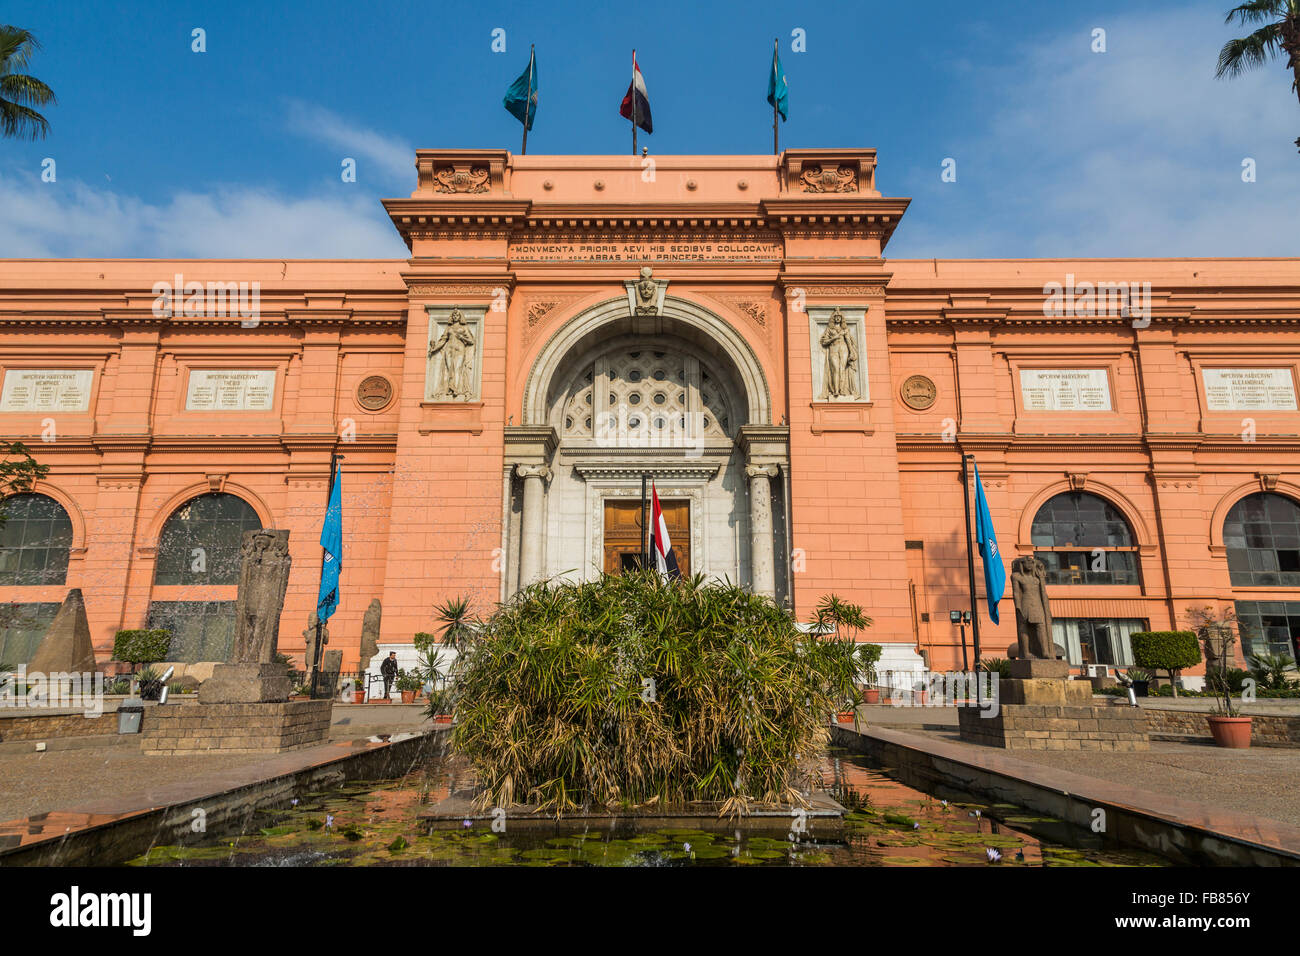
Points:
[669,471]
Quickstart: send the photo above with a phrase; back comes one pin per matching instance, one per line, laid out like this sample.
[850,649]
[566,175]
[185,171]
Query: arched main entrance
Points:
[677,396]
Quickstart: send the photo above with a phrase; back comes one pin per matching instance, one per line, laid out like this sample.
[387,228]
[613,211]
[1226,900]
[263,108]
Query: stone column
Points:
[761,547]
[530,550]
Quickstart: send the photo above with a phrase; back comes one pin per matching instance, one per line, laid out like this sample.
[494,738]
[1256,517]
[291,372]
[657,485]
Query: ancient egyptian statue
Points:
[647,291]
[1033,610]
[263,578]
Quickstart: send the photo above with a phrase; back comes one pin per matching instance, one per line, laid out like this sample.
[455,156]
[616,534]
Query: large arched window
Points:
[200,542]
[34,542]
[1262,537]
[1083,539]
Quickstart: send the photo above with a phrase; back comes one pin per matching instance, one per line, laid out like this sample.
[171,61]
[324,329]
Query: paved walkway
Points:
[36,782]
[1260,781]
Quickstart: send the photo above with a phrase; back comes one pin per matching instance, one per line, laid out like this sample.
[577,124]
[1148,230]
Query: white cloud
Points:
[71,219]
[1133,152]
[394,158]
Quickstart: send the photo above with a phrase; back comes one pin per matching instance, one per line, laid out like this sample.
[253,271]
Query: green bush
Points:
[1234,678]
[997,665]
[424,640]
[142,646]
[628,689]
[1168,651]
[869,657]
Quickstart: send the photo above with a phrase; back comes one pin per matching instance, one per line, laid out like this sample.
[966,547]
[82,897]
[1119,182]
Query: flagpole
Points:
[528,101]
[316,648]
[645,547]
[970,564]
[776,136]
[633,101]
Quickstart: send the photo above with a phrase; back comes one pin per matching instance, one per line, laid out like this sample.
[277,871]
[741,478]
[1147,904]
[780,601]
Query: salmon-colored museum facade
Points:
[728,324]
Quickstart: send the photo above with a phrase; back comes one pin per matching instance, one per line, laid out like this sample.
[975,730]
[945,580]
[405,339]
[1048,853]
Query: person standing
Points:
[388,669]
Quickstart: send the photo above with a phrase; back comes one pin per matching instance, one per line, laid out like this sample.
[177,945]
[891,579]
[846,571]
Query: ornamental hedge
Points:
[143,646]
[1168,651]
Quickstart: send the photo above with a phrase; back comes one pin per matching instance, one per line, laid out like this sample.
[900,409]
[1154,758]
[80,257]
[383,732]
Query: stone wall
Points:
[32,726]
[1270,731]
[1028,727]
[236,728]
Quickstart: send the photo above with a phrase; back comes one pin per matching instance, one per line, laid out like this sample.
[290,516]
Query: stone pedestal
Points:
[1040,711]
[246,683]
[235,728]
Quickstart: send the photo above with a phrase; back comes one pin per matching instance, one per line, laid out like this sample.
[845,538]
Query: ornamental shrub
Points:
[142,646]
[1168,651]
[630,688]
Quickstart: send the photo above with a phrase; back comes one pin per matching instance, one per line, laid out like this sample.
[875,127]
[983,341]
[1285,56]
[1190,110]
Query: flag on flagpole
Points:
[995,572]
[661,546]
[778,93]
[637,100]
[521,98]
[331,539]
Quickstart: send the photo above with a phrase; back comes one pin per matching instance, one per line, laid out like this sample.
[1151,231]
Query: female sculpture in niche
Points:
[840,374]
[456,346]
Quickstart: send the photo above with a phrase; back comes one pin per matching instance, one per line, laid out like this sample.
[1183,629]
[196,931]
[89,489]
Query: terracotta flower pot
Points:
[871,696]
[845,717]
[408,697]
[1230,731]
[358,697]
[442,719]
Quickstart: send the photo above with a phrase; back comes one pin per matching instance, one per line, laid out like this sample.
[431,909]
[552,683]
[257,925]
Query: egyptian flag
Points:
[660,545]
[636,95]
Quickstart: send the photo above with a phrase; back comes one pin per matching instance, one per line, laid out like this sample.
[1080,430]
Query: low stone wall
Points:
[45,726]
[1030,727]
[1265,731]
[236,728]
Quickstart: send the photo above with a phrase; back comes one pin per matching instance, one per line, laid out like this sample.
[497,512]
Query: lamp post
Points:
[961,618]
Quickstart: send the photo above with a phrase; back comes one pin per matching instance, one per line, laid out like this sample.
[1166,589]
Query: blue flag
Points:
[521,98]
[778,93]
[995,573]
[331,539]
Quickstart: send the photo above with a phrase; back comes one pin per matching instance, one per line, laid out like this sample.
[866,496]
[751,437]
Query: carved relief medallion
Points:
[918,392]
[374,393]
[828,179]
[449,179]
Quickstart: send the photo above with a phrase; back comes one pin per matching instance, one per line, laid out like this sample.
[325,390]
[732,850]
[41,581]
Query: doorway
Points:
[622,545]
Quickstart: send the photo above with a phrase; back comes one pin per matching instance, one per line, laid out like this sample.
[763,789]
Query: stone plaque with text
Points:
[230,390]
[1064,390]
[1249,389]
[46,390]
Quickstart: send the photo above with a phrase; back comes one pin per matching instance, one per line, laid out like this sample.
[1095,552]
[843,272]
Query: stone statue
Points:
[370,631]
[310,659]
[647,292]
[840,374]
[456,368]
[263,578]
[1033,610]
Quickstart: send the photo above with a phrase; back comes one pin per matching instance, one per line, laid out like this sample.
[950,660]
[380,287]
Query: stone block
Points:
[246,683]
[1024,669]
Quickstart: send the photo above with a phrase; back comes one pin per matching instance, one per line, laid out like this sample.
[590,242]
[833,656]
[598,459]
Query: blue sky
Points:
[1059,150]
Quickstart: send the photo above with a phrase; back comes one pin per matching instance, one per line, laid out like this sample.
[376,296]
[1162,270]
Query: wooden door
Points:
[623,533]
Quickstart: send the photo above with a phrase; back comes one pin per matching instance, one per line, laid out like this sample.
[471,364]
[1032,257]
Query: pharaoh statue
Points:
[263,577]
[1033,610]
[840,372]
[455,349]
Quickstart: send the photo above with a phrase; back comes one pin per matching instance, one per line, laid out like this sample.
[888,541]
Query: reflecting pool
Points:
[887,824]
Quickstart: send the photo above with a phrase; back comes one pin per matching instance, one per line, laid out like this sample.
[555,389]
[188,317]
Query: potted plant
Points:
[1227,726]
[1139,680]
[408,682]
[359,688]
[301,692]
[848,712]
[869,656]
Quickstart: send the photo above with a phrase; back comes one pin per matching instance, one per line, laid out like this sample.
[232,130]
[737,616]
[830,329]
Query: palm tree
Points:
[1280,35]
[18,91]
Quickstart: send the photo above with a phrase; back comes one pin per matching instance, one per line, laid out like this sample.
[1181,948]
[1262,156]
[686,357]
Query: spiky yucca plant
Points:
[629,690]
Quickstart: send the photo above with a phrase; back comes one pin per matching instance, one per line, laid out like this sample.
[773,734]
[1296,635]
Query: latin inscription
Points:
[1249,389]
[46,390]
[1064,390]
[230,391]
[729,251]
